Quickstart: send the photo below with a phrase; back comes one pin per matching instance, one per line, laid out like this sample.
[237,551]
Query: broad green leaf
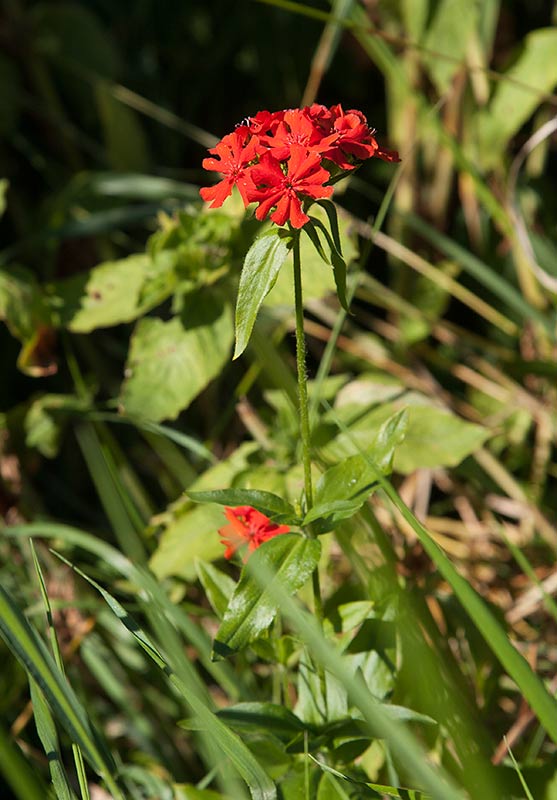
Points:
[512,104]
[259,273]
[170,363]
[30,650]
[263,717]
[138,186]
[217,585]
[251,610]
[434,437]
[328,513]
[268,503]
[28,318]
[45,420]
[191,533]
[448,35]
[114,292]
[352,480]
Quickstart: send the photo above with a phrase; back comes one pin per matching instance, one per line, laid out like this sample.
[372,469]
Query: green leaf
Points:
[114,292]
[30,650]
[309,229]
[262,717]
[331,789]
[217,585]
[436,438]
[170,363]
[45,420]
[49,740]
[27,316]
[18,773]
[390,791]
[327,514]
[331,211]
[268,503]
[291,559]
[512,104]
[261,787]
[123,133]
[533,689]
[191,533]
[338,262]
[353,479]
[259,273]
[449,35]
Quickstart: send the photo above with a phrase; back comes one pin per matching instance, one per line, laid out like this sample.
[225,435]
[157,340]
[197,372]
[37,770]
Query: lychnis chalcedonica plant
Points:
[287,161]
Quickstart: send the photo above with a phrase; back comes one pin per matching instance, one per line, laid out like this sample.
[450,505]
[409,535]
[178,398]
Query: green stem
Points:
[302,377]
[304,407]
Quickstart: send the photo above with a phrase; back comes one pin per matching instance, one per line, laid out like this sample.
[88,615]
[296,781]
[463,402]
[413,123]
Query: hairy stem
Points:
[303,406]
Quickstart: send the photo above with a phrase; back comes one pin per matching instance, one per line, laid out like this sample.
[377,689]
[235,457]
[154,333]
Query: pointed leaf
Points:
[266,717]
[309,228]
[46,730]
[291,559]
[338,262]
[389,791]
[353,479]
[259,273]
[268,503]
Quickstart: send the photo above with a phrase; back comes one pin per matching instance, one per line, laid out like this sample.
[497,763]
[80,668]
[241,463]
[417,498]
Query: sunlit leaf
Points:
[251,610]
[259,273]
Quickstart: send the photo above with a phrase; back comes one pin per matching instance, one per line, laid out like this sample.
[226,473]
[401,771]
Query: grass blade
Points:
[261,786]
[49,738]
[30,650]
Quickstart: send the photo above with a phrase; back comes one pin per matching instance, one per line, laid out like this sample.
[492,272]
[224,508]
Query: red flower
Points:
[295,128]
[350,136]
[234,159]
[305,177]
[281,158]
[247,526]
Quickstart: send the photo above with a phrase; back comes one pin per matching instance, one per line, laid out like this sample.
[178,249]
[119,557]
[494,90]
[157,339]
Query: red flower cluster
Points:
[278,159]
[247,527]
